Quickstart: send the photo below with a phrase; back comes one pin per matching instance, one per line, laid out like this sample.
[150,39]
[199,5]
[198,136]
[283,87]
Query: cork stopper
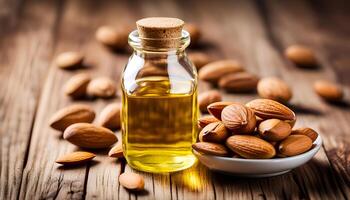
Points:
[160,32]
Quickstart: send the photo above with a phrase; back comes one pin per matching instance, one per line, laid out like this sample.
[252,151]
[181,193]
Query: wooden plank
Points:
[327,118]
[26,45]
[102,180]
[42,177]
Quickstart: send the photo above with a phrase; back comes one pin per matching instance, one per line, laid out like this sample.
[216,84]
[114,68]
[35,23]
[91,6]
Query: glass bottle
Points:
[159,98]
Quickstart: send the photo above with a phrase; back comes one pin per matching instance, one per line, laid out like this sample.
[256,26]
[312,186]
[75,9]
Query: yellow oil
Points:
[159,124]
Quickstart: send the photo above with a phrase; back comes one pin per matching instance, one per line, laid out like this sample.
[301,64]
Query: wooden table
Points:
[33,32]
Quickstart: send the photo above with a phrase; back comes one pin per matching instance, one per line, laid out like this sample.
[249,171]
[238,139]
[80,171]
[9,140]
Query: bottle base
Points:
[161,163]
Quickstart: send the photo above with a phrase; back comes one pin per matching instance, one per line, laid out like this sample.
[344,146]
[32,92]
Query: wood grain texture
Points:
[42,178]
[253,32]
[26,43]
[325,41]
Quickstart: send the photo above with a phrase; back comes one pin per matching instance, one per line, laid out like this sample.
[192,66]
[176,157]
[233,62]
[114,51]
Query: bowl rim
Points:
[318,142]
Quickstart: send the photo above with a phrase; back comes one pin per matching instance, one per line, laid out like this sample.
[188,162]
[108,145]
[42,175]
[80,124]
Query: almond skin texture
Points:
[102,87]
[205,120]
[275,89]
[69,60]
[199,59]
[208,97]
[113,38]
[295,145]
[216,108]
[312,134]
[77,85]
[328,90]
[116,151]
[75,158]
[132,181]
[250,147]
[301,55]
[291,122]
[89,136]
[194,32]
[110,116]
[70,115]
[238,118]
[274,130]
[258,120]
[239,82]
[215,70]
[214,132]
[269,109]
[210,148]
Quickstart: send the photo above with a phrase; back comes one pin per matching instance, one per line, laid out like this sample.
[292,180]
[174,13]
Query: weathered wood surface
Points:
[254,32]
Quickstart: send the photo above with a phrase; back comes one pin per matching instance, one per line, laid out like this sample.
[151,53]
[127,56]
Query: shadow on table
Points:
[78,166]
[340,104]
[301,109]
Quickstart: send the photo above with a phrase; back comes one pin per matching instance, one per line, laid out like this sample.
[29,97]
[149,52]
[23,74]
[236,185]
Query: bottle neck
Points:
[167,46]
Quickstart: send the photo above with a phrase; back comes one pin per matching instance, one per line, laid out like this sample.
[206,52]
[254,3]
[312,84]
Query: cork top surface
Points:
[160,23]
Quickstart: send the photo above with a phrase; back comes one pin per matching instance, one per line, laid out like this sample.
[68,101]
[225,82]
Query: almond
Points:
[214,132]
[116,151]
[216,108]
[76,86]
[70,115]
[203,121]
[274,130]
[102,87]
[69,60]
[75,158]
[89,136]
[110,116]
[312,134]
[199,59]
[301,55]
[112,37]
[295,145]
[239,82]
[328,90]
[291,122]
[268,109]
[215,70]
[251,147]
[238,118]
[194,32]
[258,120]
[210,148]
[208,97]
[275,89]
[132,181]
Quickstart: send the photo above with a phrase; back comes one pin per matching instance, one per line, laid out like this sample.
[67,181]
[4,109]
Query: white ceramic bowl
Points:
[257,167]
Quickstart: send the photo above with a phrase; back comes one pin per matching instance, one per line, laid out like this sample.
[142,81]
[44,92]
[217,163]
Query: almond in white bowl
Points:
[257,167]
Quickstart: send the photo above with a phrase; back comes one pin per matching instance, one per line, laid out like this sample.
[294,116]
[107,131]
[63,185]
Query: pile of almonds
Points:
[260,129]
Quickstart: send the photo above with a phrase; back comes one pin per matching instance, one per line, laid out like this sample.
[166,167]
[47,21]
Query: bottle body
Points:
[159,111]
